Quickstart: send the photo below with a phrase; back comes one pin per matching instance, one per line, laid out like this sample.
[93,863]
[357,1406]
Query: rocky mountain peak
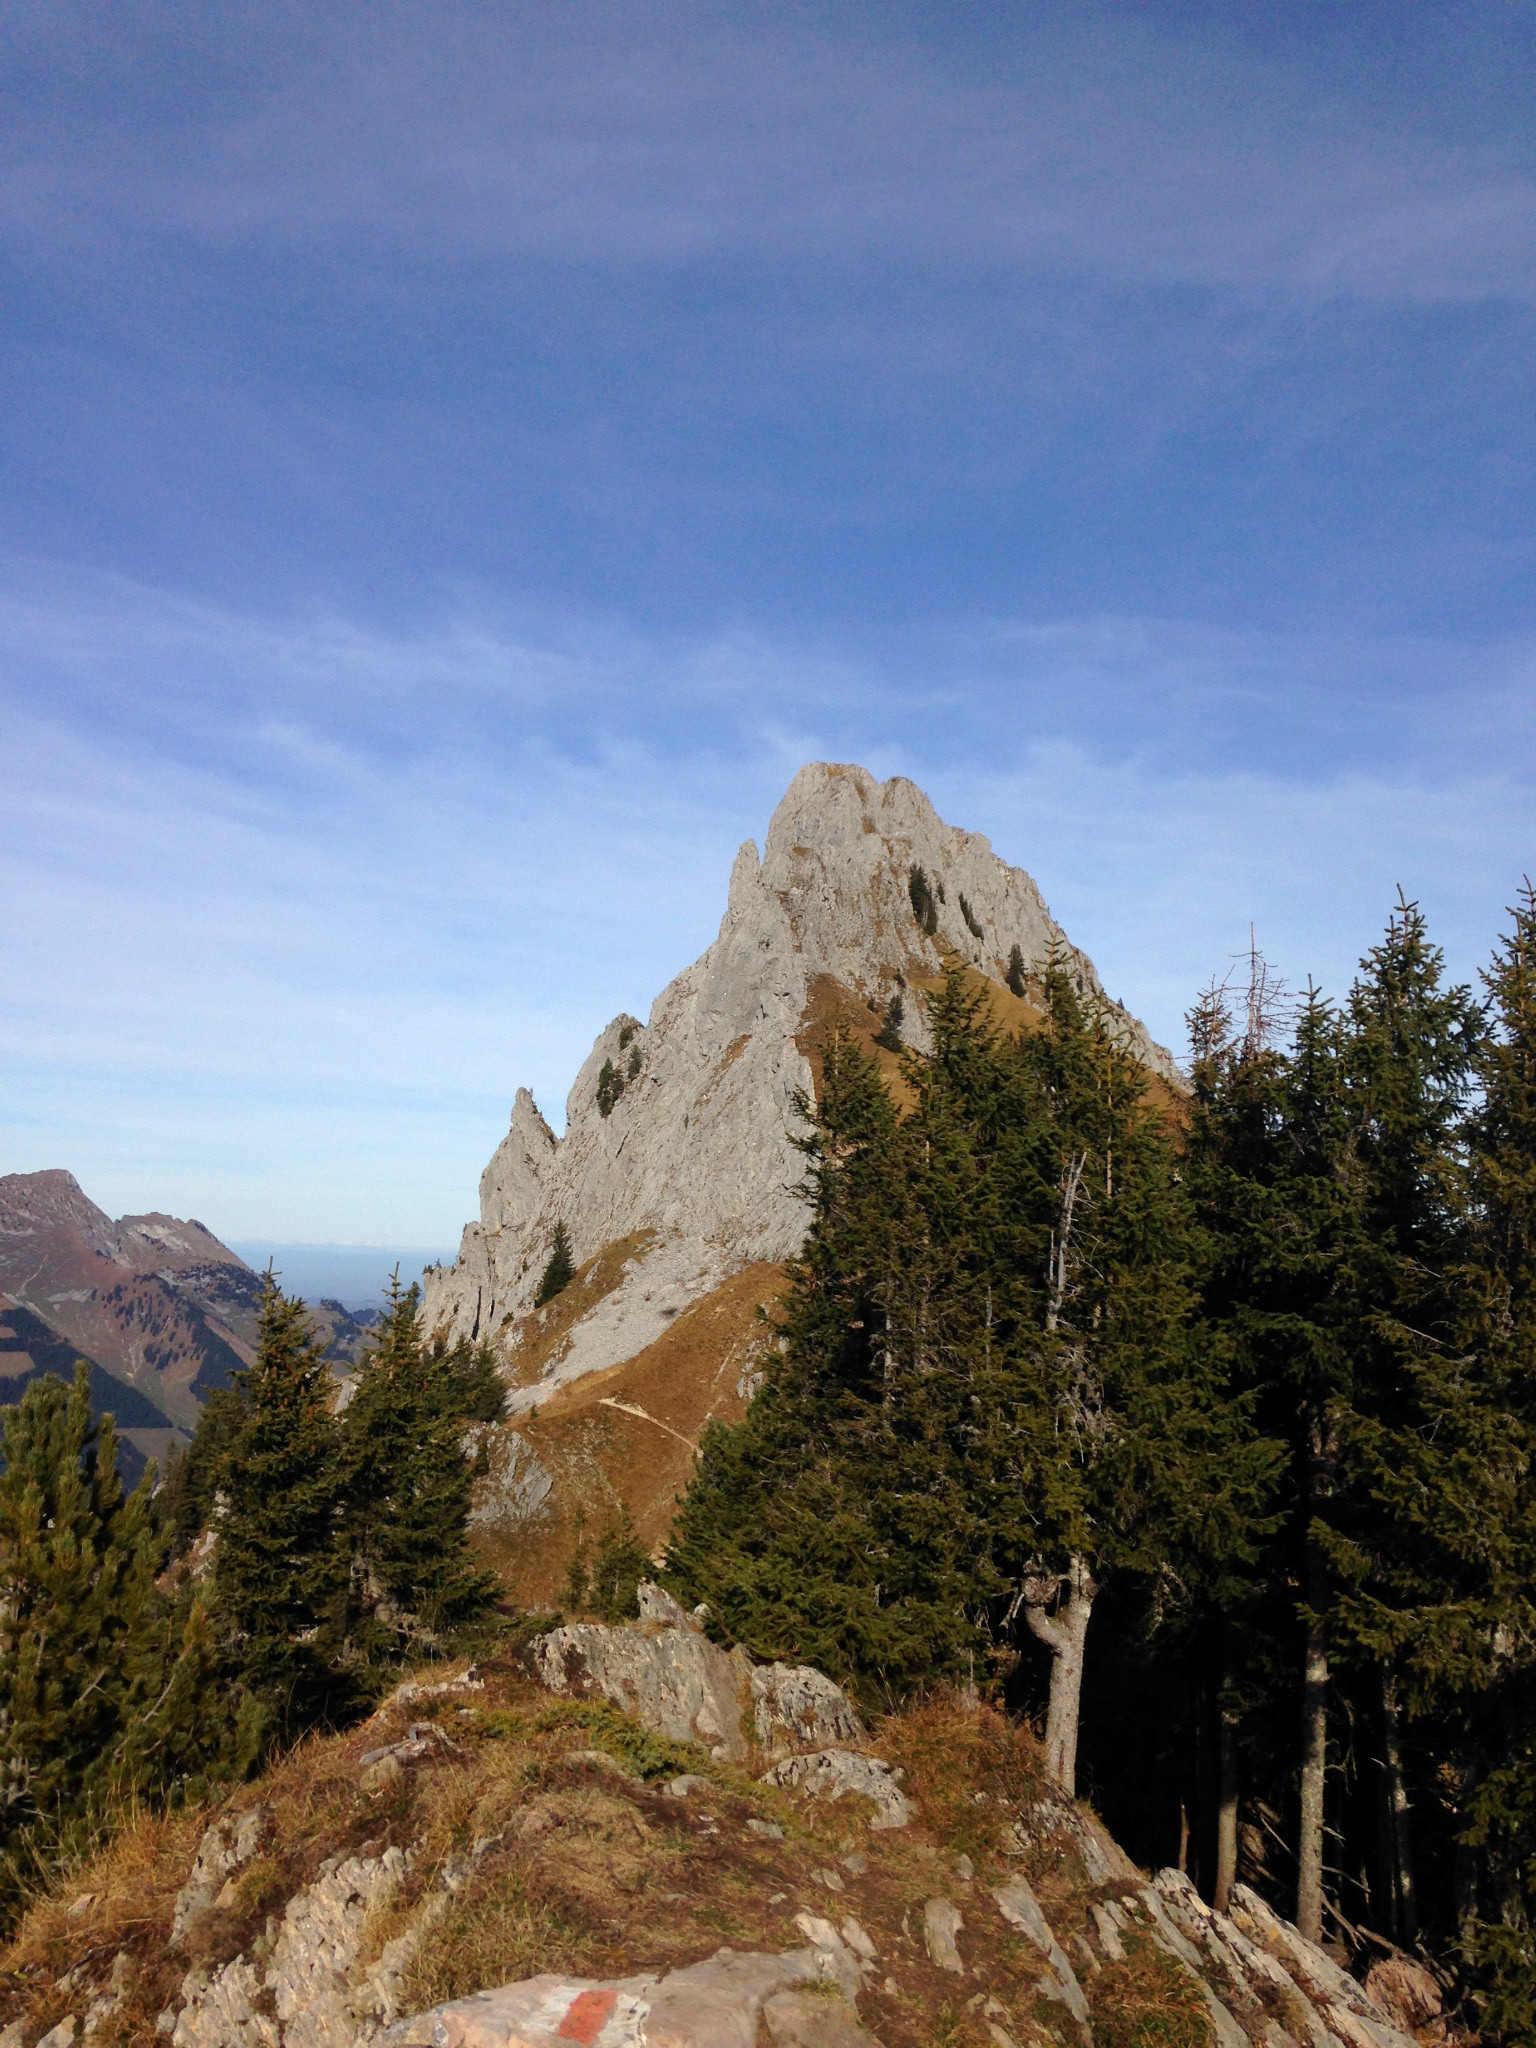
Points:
[678,1129]
[35,1205]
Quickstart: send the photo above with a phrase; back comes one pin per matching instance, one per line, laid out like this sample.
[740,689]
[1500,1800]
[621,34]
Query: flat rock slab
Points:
[941,1923]
[714,2004]
[799,2019]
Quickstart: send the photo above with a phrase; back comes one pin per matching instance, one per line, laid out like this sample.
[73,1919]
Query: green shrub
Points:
[923,907]
[561,1269]
[610,1086]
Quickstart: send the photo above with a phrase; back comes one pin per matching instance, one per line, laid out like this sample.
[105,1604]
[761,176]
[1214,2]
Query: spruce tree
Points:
[973,1409]
[194,1477]
[560,1269]
[832,1524]
[1154,1461]
[409,1483]
[78,1561]
[1486,1497]
[1017,979]
[280,1568]
[1331,1183]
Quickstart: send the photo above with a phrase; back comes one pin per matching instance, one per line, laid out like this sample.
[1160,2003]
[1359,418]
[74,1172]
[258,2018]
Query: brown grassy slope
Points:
[604,1459]
[604,1874]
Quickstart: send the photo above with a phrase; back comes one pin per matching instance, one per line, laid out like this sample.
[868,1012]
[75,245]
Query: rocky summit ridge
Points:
[679,1129]
[624,1837]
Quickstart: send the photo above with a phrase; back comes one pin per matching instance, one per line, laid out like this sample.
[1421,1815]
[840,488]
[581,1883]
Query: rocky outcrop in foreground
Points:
[489,1863]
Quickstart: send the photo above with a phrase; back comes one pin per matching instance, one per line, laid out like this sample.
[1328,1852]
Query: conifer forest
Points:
[1197,1428]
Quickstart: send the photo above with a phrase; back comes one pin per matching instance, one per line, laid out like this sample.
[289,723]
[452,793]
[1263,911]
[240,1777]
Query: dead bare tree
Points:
[1057,1607]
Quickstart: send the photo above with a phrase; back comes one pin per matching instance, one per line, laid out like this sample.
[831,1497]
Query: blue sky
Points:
[457,461]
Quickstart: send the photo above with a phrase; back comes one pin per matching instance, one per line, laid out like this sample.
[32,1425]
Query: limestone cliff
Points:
[678,1130]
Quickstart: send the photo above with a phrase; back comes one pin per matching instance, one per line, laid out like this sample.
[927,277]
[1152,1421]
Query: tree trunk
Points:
[1314,1693]
[1314,1763]
[1226,1797]
[1064,1634]
[1397,1842]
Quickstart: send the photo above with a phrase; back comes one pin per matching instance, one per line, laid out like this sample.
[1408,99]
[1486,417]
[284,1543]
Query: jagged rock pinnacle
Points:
[681,1127]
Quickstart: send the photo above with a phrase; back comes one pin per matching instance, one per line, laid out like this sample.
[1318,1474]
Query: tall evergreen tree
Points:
[1411,1043]
[1155,1466]
[1487,1497]
[987,1390]
[281,1571]
[77,1569]
[408,1481]
[785,1529]
[1331,1181]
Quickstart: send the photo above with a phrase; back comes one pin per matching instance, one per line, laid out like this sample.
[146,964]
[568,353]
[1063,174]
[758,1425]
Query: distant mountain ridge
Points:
[162,1310]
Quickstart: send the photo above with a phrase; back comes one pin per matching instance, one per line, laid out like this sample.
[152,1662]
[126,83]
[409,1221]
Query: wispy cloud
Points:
[1064,140]
[297,903]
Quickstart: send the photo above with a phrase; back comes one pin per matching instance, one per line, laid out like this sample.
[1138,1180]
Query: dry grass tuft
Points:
[132,1881]
[504,1925]
[1148,2002]
[952,1751]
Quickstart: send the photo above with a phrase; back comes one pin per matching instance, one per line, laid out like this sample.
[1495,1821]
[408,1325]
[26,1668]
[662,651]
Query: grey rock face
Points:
[1348,2010]
[227,1846]
[797,1707]
[515,1487]
[696,1150]
[835,1773]
[676,1680]
[656,1604]
[312,1984]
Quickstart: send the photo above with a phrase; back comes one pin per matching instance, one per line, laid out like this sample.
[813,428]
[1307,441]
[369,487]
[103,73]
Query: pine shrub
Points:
[973,922]
[281,1568]
[77,1570]
[560,1269]
[923,907]
[607,1586]
[610,1086]
[408,1482]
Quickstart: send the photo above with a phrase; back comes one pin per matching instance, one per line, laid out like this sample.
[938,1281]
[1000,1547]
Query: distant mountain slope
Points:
[129,1295]
[29,1348]
[157,1303]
